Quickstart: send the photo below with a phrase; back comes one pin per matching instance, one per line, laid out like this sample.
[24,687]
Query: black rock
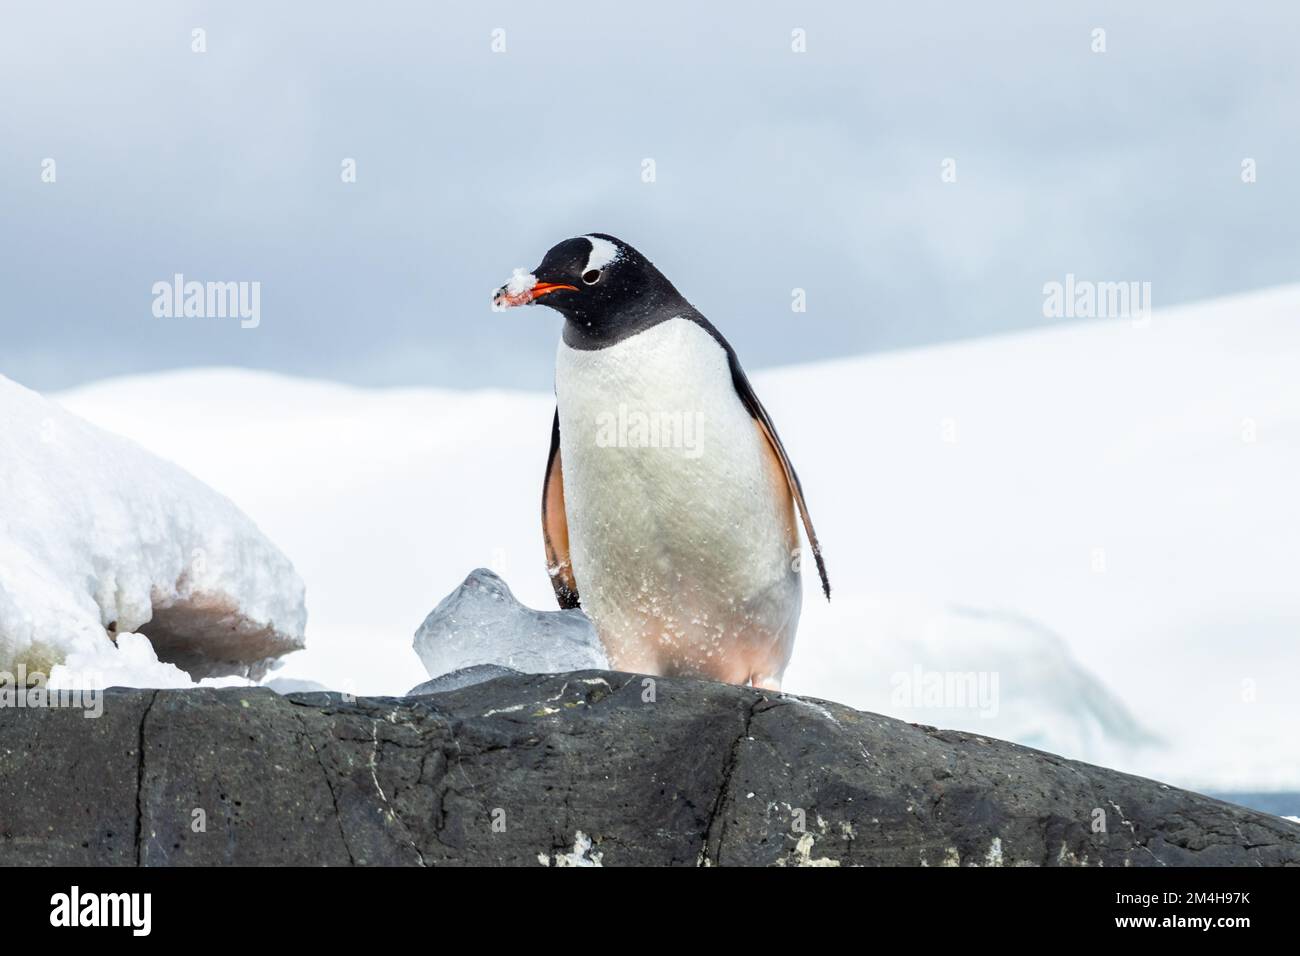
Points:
[590,767]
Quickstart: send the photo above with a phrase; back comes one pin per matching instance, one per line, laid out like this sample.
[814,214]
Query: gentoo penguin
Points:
[668,502]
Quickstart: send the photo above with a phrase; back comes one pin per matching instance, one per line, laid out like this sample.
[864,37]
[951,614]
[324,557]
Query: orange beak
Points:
[505,300]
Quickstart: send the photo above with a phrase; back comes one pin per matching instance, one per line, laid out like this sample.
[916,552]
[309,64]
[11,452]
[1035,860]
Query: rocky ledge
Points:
[585,768]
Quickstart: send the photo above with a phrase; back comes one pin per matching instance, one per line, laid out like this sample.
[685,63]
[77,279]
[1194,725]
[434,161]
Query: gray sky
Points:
[774,170]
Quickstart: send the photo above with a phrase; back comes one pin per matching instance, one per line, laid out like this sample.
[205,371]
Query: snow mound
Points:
[482,623]
[131,662]
[100,539]
[989,672]
[291,685]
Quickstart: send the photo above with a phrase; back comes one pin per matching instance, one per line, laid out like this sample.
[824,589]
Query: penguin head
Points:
[590,280]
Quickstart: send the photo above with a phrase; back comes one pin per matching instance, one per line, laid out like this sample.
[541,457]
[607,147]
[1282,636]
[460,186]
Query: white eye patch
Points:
[603,252]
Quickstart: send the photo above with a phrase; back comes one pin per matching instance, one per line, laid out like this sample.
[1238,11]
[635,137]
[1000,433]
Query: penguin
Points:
[668,503]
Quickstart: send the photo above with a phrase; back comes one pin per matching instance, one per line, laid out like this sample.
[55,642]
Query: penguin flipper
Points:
[755,408]
[555,526]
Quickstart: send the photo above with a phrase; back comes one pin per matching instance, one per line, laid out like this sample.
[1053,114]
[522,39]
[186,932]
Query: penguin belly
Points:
[681,525]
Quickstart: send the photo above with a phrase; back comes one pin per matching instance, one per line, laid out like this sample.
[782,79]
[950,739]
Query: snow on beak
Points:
[523,288]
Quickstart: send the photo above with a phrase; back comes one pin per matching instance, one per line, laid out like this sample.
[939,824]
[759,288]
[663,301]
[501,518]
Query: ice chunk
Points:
[482,623]
[293,685]
[100,539]
[465,677]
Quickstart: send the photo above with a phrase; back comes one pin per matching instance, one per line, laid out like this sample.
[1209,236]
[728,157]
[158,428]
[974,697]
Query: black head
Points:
[601,285]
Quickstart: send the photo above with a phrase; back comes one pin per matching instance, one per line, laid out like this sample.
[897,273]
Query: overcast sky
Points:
[774,170]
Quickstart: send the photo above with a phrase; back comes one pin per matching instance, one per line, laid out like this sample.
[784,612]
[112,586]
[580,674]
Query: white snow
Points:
[803,849]
[133,662]
[580,855]
[1102,515]
[520,282]
[990,672]
[99,537]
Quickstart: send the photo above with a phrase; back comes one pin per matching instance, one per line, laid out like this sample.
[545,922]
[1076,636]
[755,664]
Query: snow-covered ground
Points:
[97,535]
[1086,538]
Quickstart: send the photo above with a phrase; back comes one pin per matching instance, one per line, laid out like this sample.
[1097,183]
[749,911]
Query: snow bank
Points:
[990,672]
[100,539]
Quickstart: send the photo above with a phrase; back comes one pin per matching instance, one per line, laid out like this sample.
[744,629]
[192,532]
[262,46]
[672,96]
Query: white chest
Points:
[671,503]
[653,433]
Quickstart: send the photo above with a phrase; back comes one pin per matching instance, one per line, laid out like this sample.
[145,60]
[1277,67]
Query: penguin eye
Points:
[591,276]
